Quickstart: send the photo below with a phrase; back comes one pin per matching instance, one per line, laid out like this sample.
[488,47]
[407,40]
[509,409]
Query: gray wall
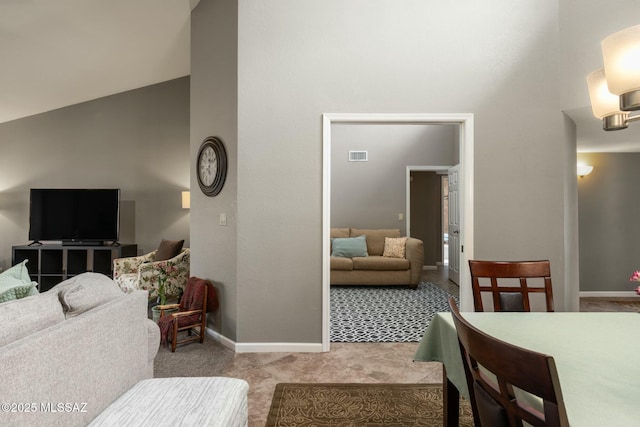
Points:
[571,234]
[297,60]
[372,194]
[137,141]
[583,25]
[608,209]
[214,110]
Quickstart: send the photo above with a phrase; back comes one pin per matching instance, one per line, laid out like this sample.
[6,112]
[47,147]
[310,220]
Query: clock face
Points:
[211,166]
[208,166]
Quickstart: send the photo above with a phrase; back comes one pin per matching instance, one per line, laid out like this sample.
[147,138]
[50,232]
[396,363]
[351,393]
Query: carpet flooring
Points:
[192,360]
[350,405]
[384,313]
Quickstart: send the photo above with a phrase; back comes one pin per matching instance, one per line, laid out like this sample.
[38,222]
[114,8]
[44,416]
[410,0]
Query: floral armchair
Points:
[160,278]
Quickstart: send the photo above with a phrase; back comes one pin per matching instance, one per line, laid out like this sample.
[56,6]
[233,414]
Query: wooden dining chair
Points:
[514,297]
[495,368]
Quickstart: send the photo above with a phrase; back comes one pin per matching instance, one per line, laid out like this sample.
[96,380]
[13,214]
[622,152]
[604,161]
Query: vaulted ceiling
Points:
[591,137]
[63,52]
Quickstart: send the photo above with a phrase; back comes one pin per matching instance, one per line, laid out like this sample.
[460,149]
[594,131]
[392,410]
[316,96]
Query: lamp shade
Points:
[186,200]
[621,56]
[603,102]
[583,169]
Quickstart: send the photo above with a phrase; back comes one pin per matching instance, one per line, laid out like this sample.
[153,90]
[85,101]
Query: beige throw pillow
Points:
[394,247]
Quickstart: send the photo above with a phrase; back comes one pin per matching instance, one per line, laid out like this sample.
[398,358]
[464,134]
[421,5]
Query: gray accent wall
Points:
[608,210]
[571,234]
[297,60]
[214,112]
[371,194]
[137,141]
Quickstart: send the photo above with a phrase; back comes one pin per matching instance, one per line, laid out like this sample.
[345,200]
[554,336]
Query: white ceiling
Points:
[592,138]
[59,53]
[62,52]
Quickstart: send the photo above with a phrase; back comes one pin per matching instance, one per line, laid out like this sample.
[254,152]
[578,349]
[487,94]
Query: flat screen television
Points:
[74,216]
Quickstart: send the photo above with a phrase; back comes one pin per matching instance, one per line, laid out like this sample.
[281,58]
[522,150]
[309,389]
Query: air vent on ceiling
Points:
[358,156]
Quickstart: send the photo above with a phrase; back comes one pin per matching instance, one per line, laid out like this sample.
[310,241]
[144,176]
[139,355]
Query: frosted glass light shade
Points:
[621,56]
[186,200]
[603,102]
[584,169]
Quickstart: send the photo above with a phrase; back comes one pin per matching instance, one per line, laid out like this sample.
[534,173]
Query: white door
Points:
[454,225]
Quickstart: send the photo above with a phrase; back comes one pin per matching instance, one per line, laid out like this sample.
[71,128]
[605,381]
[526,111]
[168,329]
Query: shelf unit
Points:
[50,264]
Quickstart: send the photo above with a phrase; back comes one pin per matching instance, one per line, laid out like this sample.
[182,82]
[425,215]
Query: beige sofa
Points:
[83,352]
[374,268]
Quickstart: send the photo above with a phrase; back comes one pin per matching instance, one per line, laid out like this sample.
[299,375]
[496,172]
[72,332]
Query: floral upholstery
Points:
[143,272]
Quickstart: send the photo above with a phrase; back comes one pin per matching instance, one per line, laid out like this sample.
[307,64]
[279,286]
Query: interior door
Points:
[454,225]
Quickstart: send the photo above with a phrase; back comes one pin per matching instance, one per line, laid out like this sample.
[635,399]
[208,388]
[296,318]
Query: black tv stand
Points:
[50,264]
[81,243]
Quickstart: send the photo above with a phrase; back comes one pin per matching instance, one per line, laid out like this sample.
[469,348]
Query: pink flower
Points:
[638,290]
[635,277]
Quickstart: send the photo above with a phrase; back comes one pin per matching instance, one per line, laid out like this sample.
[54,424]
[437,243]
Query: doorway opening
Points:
[445,221]
[465,147]
[427,211]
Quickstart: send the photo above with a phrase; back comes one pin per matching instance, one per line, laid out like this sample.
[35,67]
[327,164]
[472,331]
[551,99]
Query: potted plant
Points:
[162,294]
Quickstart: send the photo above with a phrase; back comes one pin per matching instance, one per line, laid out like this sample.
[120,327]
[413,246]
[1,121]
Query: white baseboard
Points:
[221,339]
[429,267]
[264,347]
[607,294]
[278,347]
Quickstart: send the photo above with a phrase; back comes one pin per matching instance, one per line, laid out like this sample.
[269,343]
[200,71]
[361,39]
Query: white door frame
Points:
[465,121]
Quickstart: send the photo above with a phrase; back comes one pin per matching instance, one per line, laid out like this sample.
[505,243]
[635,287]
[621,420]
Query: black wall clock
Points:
[211,166]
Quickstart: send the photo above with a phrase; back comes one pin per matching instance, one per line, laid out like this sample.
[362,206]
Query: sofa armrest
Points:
[415,255]
[177,273]
[153,336]
[131,264]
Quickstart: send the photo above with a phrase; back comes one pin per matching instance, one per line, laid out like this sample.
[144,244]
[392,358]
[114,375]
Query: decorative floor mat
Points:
[384,313]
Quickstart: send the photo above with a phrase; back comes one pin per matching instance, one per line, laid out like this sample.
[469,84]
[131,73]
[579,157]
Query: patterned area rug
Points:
[350,405]
[384,314]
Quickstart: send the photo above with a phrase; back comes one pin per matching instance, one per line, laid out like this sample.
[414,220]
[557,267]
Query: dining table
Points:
[597,356]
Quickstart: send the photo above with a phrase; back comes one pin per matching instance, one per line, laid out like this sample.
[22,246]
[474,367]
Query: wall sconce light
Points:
[186,200]
[615,89]
[584,170]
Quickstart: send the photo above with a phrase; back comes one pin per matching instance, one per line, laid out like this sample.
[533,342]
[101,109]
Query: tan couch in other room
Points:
[374,268]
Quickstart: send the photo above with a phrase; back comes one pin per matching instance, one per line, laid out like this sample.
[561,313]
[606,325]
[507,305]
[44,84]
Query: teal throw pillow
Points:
[18,271]
[15,283]
[18,292]
[349,247]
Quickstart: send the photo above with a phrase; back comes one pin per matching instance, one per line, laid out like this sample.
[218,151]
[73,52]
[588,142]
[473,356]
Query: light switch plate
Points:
[223,219]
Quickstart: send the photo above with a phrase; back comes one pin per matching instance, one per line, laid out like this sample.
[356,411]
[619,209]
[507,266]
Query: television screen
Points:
[74,215]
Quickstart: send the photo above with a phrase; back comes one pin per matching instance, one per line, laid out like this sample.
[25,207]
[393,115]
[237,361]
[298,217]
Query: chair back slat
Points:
[523,271]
